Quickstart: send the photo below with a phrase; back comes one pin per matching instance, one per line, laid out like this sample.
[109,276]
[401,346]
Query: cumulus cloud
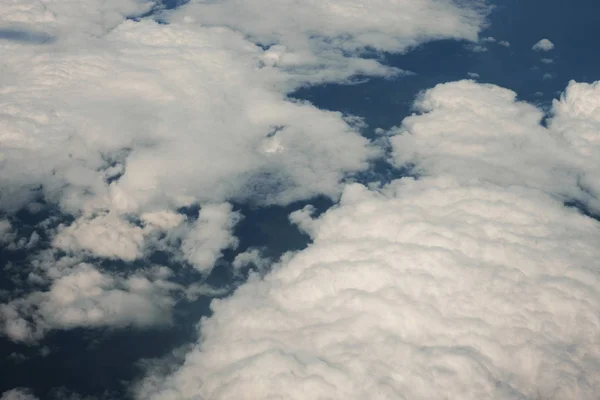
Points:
[576,116]
[7,234]
[251,258]
[18,394]
[312,33]
[543,45]
[481,133]
[210,234]
[473,281]
[57,18]
[84,296]
[121,123]
[150,117]
[105,236]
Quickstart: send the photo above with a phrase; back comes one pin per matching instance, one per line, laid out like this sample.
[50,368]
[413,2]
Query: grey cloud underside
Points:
[473,281]
[120,123]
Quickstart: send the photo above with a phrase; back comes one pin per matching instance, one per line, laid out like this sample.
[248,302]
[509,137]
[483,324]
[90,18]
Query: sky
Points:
[278,199]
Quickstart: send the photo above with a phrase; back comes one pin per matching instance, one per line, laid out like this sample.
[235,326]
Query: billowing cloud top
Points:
[473,281]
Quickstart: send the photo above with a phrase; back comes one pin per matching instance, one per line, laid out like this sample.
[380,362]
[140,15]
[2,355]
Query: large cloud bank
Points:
[120,123]
[474,281]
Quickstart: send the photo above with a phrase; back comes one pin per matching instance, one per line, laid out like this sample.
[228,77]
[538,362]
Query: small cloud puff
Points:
[543,45]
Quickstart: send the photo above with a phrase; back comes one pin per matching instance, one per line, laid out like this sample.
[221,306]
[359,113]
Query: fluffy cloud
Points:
[6,232]
[319,40]
[473,281]
[18,394]
[143,117]
[481,133]
[120,123]
[105,236]
[87,297]
[543,45]
[209,235]
[57,18]
[576,117]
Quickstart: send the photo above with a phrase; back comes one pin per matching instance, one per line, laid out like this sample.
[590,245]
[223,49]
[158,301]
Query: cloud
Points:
[210,234]
[313,31]
[6,232]
[121,123]
[18,394]
[543,45]
[577,119]
[138,117]
[252,258]
[62,18]
[105,236]
[84,296]
[458,284]
[481,133]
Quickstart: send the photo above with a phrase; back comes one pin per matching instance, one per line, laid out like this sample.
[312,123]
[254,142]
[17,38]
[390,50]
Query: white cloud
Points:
[576,116]
[477,48]
[471,287]
[163,220]
[314,31]
[183,111]
[543,45]
[106,236]
[547,60]
[254,258]
[209,235]
[87,297]
[18,394]
[67,18]
[504,43]
[481,133]
[473,281]
[473,75]
[116,121]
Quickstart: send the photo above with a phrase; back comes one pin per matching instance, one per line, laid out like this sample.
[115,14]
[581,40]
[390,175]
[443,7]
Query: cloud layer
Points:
[473,281]
[121,123]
